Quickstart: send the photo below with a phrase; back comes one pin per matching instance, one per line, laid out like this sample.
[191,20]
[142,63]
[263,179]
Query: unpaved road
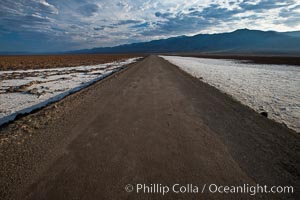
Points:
[151,123]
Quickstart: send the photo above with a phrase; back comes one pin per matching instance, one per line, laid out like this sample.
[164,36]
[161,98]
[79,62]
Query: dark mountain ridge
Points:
[240,41]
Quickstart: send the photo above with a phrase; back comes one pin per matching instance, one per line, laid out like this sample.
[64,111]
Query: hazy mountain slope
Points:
[292,33]
[239,41]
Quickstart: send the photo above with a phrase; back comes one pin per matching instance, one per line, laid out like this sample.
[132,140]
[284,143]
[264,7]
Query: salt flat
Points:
[22,91]
[270,88]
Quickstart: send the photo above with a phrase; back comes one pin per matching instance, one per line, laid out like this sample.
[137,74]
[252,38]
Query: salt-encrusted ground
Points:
[22,91]
[271,88]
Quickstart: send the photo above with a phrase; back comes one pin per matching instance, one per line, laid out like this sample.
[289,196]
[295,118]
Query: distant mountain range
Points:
[242,41]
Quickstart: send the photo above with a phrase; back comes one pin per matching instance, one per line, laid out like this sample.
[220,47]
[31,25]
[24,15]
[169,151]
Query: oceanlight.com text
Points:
[208,188]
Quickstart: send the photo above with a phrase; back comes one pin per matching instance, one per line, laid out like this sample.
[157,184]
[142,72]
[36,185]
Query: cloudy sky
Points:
[57,25]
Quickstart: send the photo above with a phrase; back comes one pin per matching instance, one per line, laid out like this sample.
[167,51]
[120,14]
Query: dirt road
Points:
[151,124]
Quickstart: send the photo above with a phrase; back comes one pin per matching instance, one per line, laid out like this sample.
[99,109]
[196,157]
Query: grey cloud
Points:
[163,15]
[88,9]
[66,21]
[122,4]
[32,14]
[73,26]
[291,16]
[19,7]
[101,28]
[214,11]
[142,25]
[29,21]
[98,28]
[44,6]
[125,22]
[265,4]
[102,37]
[179,23]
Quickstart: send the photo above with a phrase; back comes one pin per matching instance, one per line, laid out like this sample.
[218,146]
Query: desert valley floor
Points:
[148,123]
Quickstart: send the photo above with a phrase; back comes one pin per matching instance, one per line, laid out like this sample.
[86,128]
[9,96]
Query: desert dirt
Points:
[57,61]
[257,59]
[150,123]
